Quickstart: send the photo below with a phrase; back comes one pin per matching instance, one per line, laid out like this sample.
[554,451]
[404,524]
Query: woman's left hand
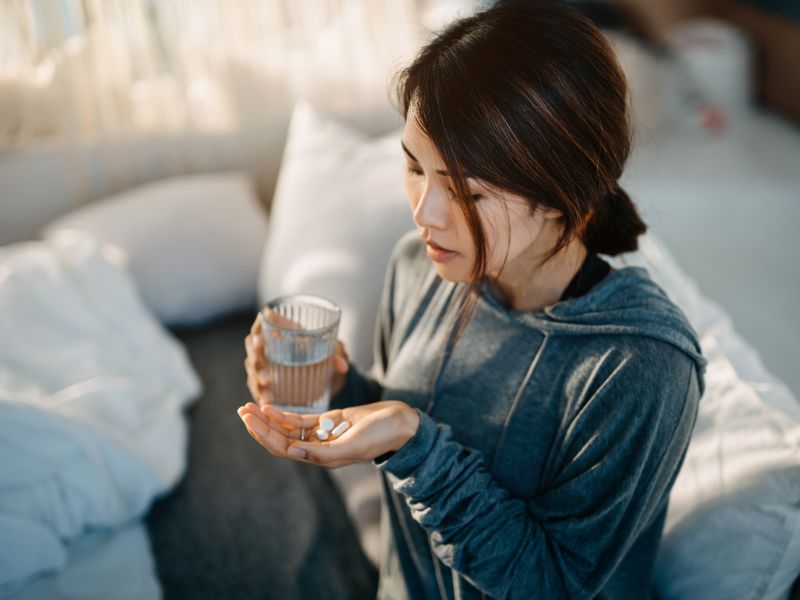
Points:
[374,429]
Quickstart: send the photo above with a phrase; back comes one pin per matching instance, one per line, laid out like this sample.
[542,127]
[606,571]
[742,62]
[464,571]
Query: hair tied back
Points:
[615,225]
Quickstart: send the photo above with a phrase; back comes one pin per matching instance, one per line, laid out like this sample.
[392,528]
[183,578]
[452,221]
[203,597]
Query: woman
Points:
[531,406]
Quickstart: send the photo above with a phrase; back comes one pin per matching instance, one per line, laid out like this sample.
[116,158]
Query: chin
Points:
[452,273]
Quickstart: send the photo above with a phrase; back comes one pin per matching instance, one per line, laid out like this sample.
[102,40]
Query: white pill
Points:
[322,434]
[341,428]
[327,424]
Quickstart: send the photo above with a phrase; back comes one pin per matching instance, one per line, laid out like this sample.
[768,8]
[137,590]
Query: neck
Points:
[535,283]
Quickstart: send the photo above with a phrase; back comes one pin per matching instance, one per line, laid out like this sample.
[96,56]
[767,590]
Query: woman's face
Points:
[508,224]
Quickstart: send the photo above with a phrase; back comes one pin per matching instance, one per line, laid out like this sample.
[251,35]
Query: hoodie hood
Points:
[626,302]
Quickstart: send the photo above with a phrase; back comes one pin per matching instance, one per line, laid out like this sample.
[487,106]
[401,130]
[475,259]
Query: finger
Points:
[255,343]
[252,386]
[260,392]
[326,453]
[341,364]
[252,409]
[255,437]
[254,349]
[312,422]
[268,437]
[273,441]
[278,319]
[297,421]
[288,432]
[258,440]
[255,328]
[258,345]
[257,369]
[258,372]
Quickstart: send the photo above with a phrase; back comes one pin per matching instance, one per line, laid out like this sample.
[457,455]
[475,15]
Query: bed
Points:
[156,299]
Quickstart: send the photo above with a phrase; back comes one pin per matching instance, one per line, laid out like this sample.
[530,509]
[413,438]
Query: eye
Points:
[475,197]
[413,171]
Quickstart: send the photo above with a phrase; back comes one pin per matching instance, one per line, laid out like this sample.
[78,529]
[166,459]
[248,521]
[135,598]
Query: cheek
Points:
[508,234]
[495,230]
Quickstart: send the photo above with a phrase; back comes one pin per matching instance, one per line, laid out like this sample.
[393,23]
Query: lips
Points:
[438,253]
[436,246]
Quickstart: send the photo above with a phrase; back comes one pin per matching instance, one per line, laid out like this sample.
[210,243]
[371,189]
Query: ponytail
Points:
[615,226]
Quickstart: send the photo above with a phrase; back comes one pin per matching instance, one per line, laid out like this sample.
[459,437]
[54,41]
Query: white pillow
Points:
[733,525]
[193,243]
[339,208]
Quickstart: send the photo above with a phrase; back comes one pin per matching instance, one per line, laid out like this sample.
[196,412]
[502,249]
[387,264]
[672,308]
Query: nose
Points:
[432,208]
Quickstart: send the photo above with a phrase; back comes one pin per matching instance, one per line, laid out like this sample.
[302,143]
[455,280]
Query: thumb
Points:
[342,365]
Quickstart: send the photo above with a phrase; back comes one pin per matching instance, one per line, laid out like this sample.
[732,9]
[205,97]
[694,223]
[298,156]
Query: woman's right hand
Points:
[257,366]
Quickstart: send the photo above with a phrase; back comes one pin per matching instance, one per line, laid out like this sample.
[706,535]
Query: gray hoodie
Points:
[548,441]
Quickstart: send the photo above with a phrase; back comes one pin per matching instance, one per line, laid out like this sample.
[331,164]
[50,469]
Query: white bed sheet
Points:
[92,392]
[101,565]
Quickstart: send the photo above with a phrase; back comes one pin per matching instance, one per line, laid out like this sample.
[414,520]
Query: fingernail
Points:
[256,339]
[296,452]
[240,410]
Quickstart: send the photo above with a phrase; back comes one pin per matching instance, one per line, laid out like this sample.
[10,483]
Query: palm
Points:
[374,429]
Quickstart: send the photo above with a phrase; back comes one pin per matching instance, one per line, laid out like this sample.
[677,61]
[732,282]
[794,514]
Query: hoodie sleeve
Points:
[616,461]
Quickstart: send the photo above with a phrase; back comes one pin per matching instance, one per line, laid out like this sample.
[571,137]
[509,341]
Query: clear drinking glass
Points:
[300,338]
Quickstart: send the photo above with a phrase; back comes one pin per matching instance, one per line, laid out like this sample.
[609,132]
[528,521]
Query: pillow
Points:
[733,523]
[338,210]
[193,243]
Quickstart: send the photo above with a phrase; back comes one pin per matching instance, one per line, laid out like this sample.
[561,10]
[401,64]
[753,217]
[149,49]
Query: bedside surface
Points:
[729,211]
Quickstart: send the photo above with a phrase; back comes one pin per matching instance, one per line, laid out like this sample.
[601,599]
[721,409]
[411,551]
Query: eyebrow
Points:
[414,158]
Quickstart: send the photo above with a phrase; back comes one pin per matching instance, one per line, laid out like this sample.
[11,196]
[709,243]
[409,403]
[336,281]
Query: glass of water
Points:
[300,338]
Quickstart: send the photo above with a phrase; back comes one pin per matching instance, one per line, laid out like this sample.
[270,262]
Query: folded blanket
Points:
[92,390]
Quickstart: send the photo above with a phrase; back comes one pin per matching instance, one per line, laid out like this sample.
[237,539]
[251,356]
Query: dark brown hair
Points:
[530,98]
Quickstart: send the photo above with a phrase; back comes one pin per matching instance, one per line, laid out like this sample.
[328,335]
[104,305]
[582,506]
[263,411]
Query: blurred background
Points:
[97,96]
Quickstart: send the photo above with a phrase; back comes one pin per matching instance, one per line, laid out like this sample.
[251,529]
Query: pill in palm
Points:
[341,428]
[322,434]
[327,424]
